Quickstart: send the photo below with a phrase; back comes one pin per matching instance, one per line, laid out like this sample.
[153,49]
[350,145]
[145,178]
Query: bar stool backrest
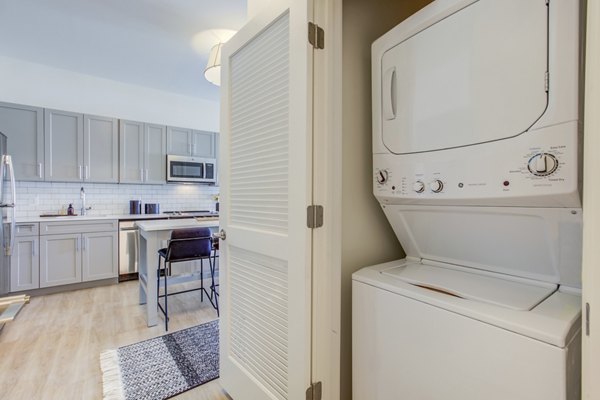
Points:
[189,244]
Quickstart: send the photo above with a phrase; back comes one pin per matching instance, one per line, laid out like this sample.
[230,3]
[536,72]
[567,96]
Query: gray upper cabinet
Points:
[142,153]
[63,133]
[203,144]
[81,148]
[101,149]
[24,128]
[179,141]
[155,154]
[189,142]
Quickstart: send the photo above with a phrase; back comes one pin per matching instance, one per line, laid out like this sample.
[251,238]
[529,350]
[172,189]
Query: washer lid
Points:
[541,244]
[475,76]
[503,291]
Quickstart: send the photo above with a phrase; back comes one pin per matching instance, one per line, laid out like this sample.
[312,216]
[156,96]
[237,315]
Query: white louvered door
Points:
[266,185]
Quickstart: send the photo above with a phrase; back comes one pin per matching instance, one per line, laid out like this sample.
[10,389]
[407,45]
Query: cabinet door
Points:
[203,144]
[179,141]
[100,255]
[131,153]
[101,144]
[25,264]
[155,138]
[63,137]
[60,260]
[24,128]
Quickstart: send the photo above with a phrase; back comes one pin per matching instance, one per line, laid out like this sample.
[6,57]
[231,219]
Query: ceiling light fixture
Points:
[212,72]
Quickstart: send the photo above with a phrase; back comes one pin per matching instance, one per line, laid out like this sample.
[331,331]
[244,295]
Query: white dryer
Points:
[476,152]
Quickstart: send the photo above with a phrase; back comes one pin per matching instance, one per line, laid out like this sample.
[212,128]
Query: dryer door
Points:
[476,76]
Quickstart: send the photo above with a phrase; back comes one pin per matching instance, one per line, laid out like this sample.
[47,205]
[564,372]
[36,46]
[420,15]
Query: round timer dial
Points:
[542,164]
[382,176]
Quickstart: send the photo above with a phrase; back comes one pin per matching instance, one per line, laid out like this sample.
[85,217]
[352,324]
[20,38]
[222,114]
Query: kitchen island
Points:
[152,234]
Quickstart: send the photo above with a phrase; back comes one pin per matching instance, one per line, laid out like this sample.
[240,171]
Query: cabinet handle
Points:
[142,174]
[40,170]
[84,242]
[146,179]
[33,248]
[190,146]
[87,172]
[80,177]
[77,245]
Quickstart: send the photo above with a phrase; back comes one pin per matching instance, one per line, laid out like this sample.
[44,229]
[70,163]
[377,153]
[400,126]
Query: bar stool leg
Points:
[213,291]
[166,298]
[201,280]
[158,284]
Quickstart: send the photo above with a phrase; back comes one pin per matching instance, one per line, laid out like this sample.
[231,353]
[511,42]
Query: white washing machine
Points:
[476,152]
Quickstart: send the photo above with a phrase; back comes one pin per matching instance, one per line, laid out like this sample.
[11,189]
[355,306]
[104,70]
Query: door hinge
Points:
[314,391]
[587,319]
[547,81]
[314,216]
[316,36]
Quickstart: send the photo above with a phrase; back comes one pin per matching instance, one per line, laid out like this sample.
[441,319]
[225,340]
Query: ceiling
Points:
[152,43]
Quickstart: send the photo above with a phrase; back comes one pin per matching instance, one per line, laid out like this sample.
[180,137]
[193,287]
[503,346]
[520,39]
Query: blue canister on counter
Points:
[135,207]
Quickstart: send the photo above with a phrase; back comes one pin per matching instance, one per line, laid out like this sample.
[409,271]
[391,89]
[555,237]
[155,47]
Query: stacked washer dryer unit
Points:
[476,151]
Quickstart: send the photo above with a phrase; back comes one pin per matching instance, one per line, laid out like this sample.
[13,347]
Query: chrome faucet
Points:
[84,209]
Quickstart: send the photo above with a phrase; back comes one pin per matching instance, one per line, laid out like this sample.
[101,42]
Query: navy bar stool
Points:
[186,245]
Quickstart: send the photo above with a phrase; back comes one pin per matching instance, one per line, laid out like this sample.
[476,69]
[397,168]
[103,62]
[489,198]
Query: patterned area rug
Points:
[162,367]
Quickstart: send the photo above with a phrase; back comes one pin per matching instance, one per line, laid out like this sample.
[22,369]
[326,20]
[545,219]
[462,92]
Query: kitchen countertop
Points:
[90,217]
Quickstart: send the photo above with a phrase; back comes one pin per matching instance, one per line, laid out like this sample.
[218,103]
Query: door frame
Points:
[591,210]
[327,178]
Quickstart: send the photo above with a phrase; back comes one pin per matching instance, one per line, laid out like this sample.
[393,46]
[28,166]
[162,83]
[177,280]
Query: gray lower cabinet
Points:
[25,264]
[99,251]
[60,259]
[189,142]
[24,129]
[78,251]
[25,259]
[143,153]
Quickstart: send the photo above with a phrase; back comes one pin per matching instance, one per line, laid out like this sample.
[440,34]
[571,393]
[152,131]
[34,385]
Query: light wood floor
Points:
[52,349]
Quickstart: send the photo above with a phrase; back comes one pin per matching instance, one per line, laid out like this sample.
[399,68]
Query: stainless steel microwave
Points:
[191,169]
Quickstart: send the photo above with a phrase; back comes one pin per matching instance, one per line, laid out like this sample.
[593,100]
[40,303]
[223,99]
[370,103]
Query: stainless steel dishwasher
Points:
[128,251]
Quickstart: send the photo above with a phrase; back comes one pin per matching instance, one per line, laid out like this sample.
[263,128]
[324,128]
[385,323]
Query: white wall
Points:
[367,237]
[43,86]
[254,7]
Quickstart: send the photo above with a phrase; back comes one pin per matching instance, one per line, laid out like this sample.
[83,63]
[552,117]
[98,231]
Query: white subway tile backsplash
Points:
[35,198]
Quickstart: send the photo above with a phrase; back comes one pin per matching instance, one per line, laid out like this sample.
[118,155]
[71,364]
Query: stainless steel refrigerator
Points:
[7,212]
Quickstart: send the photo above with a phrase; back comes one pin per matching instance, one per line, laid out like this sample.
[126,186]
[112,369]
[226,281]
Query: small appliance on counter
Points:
[135,207]
[152,208]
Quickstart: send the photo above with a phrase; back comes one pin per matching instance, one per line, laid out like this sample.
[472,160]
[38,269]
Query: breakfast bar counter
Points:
[152,234]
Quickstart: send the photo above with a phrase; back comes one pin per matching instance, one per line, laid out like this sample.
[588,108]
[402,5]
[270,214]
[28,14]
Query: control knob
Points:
[418,186]
[382,176]
[436,186]
[542,164]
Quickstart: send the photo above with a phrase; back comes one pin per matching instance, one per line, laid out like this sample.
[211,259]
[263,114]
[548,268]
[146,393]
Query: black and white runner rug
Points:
[162,367]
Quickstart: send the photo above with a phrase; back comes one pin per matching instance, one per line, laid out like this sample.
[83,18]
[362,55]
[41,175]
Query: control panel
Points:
[507,169]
